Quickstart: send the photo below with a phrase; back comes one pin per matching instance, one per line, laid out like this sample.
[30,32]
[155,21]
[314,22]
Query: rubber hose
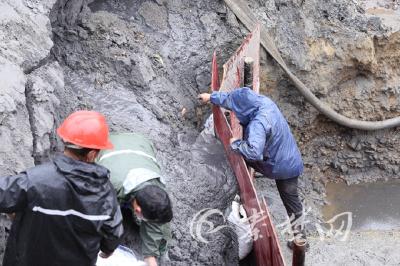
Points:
[243,12]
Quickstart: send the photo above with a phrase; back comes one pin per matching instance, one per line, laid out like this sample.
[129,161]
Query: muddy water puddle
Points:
[374,206]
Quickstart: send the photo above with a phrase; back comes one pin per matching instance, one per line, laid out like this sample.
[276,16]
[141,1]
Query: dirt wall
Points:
[142,63]
[349,59]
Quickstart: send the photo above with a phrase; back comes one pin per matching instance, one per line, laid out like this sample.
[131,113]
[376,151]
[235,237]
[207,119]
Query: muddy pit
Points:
[125,62]
[142,63]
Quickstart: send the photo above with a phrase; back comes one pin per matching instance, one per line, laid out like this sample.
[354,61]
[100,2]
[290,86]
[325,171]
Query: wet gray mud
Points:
[195,169]
[142,63]
[374,206]
[142,71]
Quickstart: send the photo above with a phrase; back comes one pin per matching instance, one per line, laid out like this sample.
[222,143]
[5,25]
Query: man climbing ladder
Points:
[268,145]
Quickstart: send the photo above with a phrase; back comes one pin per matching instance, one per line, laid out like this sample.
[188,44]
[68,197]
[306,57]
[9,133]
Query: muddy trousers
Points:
[288,190]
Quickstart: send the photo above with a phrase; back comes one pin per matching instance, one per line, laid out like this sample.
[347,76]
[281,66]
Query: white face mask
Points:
[142,219]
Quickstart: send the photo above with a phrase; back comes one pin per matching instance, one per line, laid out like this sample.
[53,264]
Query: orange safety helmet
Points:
[87,129]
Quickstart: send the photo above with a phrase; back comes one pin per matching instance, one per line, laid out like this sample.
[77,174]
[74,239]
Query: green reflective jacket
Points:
[133,166]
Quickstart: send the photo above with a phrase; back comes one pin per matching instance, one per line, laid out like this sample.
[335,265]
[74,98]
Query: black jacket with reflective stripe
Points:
[66,211]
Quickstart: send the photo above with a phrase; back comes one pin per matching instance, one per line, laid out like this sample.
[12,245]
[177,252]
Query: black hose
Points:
[243,12]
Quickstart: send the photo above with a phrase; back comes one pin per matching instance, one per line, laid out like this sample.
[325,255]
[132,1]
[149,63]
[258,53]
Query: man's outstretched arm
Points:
[113,231]
[219,98]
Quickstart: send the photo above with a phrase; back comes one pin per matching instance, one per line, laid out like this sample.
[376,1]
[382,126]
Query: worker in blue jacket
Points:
[268,145]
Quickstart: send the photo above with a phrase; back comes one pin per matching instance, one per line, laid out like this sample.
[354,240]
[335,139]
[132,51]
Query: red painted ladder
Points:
[266,245]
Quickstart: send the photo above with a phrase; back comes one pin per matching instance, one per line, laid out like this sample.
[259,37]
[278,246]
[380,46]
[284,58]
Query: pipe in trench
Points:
[299,252]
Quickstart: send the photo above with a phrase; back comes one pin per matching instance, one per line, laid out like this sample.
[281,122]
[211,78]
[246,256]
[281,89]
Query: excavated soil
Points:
[142,63]
[121,60]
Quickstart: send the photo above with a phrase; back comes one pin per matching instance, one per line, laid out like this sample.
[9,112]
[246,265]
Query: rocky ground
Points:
[142,63]
[352,76]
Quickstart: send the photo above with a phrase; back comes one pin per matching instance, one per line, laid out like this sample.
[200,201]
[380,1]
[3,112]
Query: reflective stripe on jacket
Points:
[131,162]
[66,211]
[133,166]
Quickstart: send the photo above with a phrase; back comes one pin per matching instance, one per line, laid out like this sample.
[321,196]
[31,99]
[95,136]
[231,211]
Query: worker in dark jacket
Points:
[268,145]
[136,176]
[66,210]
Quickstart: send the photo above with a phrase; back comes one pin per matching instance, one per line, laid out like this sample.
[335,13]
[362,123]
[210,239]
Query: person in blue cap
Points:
[268,145]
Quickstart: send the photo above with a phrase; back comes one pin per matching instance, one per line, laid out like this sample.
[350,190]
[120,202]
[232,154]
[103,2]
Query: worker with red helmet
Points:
[66,209]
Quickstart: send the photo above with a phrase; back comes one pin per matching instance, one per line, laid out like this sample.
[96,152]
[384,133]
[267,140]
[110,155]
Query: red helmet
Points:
[87,129]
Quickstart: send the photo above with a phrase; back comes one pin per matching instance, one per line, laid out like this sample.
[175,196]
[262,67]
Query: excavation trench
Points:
[142,63]
[116,62]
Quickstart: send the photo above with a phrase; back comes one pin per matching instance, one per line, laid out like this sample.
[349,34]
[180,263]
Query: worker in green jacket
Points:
[136,176]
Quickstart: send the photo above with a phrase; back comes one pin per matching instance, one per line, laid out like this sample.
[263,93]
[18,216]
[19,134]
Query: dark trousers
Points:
[290,197]
[288,190]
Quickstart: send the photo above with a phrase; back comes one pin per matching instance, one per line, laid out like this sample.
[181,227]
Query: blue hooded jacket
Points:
[268,144]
